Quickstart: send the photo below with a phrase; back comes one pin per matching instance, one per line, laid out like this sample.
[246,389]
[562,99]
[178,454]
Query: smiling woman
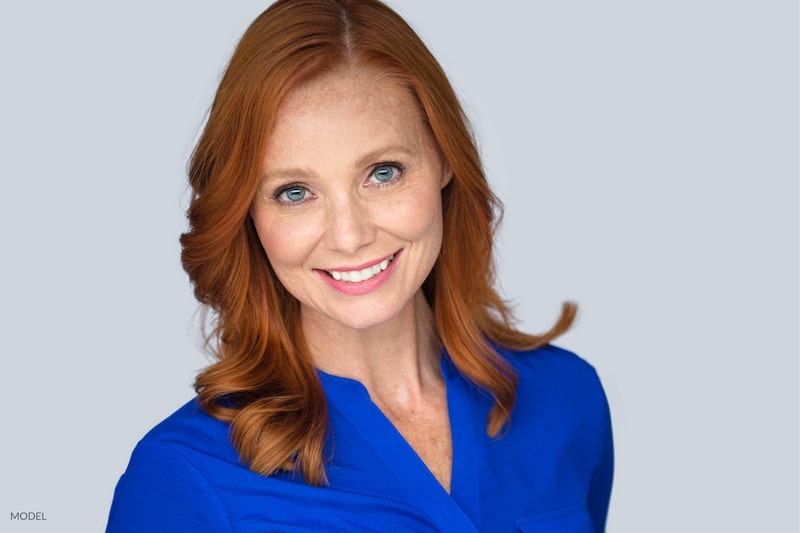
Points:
[341,232]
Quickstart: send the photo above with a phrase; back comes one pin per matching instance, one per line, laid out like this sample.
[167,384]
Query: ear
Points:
[447,174]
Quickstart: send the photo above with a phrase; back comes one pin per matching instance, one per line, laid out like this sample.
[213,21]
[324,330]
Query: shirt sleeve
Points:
[600,487]
[162,491]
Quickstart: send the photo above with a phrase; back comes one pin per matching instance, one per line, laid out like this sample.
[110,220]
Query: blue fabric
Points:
[551,471]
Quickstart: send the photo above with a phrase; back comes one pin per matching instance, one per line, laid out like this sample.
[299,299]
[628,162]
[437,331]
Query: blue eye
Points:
[385,173]
[291,195]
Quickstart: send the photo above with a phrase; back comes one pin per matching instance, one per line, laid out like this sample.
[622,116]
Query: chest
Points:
[492,483]
[537,475]
[429,435]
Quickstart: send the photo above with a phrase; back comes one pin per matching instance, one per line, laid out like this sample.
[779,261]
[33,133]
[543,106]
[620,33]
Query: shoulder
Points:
[561,417]
[188,429]
[191,434]
[165,485]
[551,364]
[558,384]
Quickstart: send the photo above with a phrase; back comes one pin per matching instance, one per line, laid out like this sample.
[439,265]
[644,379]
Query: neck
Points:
[398,359]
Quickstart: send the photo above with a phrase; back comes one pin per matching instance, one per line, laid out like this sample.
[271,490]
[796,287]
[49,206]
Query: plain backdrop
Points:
[647,155]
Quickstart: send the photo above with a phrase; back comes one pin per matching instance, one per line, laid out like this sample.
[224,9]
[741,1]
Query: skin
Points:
[352,175]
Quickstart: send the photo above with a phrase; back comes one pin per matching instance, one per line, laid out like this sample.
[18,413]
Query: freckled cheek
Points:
[415,218]
[287,241]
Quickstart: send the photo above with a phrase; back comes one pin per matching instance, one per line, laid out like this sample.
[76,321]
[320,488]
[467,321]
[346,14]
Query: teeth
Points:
[354,276]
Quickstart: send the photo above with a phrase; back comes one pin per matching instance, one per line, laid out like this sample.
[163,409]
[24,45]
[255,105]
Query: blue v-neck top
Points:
[551,471]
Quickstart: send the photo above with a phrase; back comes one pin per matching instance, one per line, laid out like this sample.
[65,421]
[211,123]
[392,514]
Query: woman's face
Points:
[349,208]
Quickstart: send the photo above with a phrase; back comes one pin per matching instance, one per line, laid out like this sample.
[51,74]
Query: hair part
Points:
[264,382]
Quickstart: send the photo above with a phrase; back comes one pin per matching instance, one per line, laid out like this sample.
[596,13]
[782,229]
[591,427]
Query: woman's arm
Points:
[600,487]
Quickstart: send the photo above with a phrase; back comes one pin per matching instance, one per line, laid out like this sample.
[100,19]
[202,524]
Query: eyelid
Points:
[394,164]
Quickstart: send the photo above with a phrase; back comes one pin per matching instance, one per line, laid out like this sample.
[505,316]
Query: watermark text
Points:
[28,515]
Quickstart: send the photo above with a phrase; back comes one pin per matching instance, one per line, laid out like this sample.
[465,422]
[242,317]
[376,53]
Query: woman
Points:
[341,232]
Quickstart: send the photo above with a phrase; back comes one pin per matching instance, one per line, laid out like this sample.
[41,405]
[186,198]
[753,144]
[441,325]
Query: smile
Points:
[356,276]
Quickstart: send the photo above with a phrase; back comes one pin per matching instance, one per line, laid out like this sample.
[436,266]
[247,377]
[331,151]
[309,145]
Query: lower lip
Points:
[361,287]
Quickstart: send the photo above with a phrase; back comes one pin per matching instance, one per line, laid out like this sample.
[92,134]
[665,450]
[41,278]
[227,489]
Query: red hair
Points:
[263,382]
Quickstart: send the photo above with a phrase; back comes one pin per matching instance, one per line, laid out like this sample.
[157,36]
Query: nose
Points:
[349,226]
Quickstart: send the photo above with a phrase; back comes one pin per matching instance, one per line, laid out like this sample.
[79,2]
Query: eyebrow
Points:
[380,154]
[285,174]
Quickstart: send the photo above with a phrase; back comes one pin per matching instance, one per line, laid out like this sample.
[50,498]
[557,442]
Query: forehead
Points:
[350,89]
[346,111]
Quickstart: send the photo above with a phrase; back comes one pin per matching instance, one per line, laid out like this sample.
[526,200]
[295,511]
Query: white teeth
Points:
[354,276]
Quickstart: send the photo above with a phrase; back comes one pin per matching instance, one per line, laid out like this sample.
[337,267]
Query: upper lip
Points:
[362,266]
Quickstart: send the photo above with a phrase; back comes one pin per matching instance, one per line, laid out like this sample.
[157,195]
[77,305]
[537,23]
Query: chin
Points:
[363,319]
[362,325]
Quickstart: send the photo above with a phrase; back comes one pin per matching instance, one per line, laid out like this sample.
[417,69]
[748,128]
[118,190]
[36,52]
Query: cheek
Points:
[419,216]
[286,241]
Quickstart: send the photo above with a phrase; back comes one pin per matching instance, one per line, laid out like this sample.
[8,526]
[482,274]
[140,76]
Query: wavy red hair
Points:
[263,382]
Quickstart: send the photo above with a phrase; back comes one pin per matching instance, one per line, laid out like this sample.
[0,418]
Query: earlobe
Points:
[446,178]
[447,175]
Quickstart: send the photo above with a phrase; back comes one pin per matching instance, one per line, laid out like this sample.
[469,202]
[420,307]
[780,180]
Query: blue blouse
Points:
[551,471]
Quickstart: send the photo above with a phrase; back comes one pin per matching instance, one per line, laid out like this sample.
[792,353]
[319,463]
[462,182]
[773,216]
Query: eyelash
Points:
[397,167]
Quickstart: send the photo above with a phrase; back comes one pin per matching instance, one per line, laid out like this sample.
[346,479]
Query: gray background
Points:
[647,154]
